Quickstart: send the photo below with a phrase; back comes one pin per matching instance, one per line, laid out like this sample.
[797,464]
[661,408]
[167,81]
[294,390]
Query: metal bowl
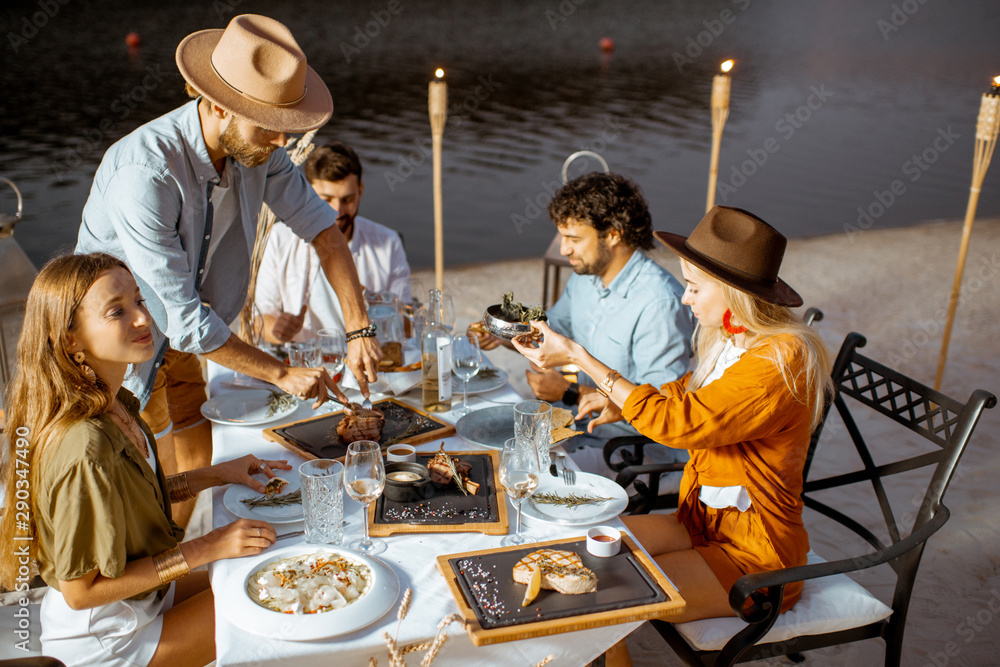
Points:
[503,328]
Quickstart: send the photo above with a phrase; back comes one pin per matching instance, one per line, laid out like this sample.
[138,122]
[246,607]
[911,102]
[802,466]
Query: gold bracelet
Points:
[608,385]
[170,565]
[178,488]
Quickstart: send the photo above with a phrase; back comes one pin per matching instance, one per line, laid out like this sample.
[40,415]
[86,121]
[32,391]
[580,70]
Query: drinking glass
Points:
[519,477]
[305,354]
[332,349]
[465,362]
[533,422]
[323,500]
[364,479]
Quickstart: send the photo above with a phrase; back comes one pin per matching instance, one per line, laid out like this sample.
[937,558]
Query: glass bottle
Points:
[436,358]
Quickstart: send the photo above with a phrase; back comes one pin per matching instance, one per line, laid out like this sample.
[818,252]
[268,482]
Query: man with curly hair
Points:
[620,304]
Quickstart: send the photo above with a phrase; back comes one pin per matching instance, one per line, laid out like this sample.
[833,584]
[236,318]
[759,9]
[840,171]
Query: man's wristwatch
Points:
[572,394]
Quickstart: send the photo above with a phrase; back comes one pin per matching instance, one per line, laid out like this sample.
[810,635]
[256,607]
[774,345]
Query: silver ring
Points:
[262,466]
[258,531]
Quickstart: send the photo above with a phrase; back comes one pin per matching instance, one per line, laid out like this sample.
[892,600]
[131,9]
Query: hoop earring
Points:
[80,359]
[727,324]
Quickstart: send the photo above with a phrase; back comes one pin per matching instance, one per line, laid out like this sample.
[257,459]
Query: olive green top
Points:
[98,504]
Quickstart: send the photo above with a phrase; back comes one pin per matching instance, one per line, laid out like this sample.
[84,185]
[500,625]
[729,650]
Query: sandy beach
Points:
[893,287]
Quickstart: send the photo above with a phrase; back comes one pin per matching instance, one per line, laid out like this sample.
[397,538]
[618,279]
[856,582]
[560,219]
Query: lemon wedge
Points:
[534,585]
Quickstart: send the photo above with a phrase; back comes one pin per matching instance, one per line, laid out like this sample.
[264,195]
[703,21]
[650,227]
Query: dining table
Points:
[411,556]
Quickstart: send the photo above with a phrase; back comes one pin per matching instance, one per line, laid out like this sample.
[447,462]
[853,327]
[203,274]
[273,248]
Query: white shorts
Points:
[119,634]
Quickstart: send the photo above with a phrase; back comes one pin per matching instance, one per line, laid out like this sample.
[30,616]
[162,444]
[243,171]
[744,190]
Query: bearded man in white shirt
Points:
[293,294]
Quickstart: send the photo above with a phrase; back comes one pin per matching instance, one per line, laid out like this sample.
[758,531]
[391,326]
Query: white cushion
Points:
[828,604]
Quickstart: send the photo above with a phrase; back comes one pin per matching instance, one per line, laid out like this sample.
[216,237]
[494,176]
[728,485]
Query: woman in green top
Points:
[87,503]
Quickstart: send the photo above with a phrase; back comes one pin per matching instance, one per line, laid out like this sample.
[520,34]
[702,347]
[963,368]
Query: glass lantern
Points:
[17,273]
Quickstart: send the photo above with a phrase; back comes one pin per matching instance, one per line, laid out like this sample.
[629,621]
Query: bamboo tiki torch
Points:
[720,112]
[987,128]
[437,106]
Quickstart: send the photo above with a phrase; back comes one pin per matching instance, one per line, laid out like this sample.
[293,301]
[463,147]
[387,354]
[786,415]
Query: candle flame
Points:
[996,81]
[728,65]
[439,73]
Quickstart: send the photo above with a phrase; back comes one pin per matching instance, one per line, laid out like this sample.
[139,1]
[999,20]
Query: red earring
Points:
[727,324]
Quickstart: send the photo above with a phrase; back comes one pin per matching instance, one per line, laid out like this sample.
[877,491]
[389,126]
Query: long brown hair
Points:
[809,384]
[49,392]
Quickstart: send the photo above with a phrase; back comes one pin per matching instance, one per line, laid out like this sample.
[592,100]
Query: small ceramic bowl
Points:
[407,482]
[400,454]
[604,541]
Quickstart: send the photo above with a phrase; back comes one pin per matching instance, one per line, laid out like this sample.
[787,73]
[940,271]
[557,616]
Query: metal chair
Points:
[942,421]
[645,497]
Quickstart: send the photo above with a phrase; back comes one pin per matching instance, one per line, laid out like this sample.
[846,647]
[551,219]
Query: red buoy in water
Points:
[133,40]
[607,44]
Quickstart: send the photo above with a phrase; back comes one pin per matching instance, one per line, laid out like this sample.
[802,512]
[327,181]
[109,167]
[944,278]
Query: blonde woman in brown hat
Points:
[178,200]
[746,413]
[87,501]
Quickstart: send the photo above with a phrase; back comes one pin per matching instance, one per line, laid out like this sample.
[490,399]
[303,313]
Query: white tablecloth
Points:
[412,557]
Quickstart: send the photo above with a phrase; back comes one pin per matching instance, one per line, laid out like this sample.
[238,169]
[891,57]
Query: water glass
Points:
[332,350]
[305,354]
[364,480]
[321,481]
[533,422]
[519,471]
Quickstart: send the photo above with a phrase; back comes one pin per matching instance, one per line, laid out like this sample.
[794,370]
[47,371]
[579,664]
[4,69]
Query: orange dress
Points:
[744,429]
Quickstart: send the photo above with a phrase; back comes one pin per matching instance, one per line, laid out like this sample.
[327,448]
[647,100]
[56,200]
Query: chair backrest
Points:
[941,420]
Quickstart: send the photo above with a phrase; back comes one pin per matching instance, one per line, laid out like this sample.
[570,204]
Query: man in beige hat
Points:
[178,200]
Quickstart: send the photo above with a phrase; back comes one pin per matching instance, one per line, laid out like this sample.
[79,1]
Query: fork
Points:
[568,474]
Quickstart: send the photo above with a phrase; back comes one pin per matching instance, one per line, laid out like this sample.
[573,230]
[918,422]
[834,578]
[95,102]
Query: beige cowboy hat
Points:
[739,249]
[256,70]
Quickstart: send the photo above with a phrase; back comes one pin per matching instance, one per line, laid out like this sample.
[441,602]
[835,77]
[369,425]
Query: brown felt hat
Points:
[255,69]
[739,249]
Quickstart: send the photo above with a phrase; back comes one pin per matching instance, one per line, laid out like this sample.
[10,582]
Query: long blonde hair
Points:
[49,392]
[809,384]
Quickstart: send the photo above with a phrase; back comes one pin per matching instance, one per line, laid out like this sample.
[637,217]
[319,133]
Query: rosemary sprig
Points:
[487,372]
[279,402]
[290,498]
[411,429]
[572,500]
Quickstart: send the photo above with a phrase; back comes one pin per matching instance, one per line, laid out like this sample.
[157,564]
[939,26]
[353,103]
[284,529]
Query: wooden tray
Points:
[316,437]
[490,500]
[634,590]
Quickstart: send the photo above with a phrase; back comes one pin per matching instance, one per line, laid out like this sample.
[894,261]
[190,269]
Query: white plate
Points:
[250,616]
[246,408]
[582,515]
[284,514]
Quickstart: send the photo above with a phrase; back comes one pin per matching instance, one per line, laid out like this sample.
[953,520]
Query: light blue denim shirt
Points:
[637,325]
[148,206]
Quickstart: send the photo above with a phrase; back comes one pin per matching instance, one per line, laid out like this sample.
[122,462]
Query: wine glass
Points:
[332,350]
[519,476]
[364,479]
[465,362]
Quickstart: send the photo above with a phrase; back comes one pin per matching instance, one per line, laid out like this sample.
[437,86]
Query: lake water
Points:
[835,106]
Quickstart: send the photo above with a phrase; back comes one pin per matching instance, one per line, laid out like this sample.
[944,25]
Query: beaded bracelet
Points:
[170,565]
[178,488]
[367,332]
